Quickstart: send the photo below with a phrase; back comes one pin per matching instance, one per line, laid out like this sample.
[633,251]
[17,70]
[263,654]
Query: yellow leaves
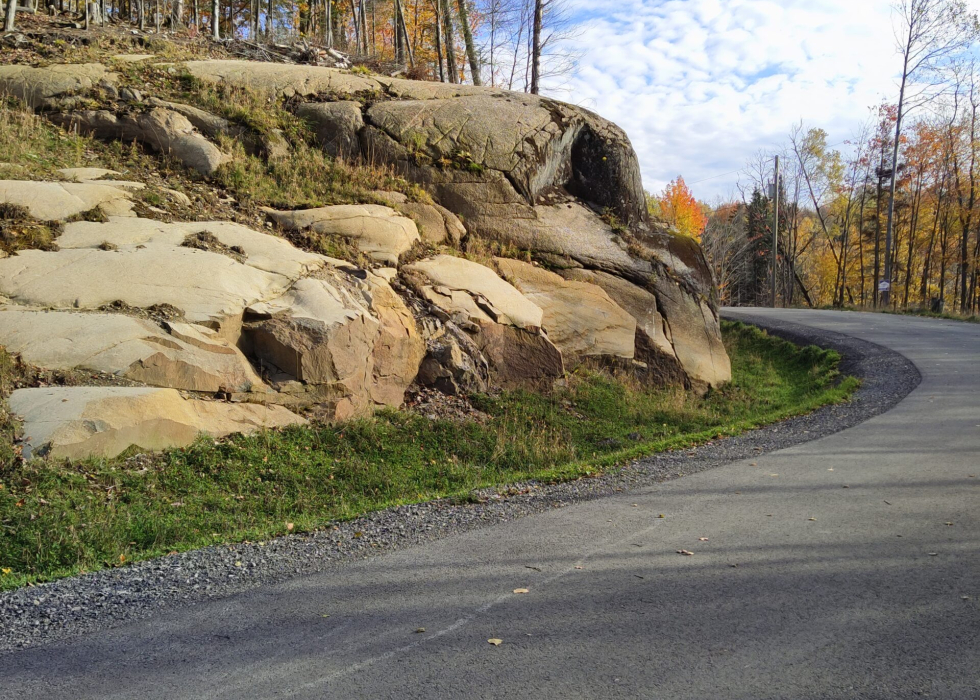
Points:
[496,642]
[521,590]
[289,527]
[678,207]
[122,558]
[6,572]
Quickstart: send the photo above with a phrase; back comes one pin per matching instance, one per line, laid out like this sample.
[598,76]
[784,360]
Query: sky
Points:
[702,86]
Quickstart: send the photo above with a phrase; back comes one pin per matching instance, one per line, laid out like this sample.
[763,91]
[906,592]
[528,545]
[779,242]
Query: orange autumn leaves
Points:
[677,207]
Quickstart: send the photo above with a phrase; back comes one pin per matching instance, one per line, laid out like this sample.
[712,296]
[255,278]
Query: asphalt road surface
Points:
[846,567]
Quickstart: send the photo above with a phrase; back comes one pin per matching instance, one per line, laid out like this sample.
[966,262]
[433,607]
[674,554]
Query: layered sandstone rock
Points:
[79,422]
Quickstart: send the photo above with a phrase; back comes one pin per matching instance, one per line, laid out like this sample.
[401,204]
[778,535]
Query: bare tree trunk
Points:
[536,47]
[329,23]
[449,43]
[464,22]
[215,17]
[442,73]
[8,25]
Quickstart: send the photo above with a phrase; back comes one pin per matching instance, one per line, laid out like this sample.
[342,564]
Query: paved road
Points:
[847,567]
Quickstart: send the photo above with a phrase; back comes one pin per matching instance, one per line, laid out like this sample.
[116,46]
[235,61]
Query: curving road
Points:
[846,567]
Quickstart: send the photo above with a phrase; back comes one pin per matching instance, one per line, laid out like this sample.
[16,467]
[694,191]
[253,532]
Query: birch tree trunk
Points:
[8,25]
[215,17]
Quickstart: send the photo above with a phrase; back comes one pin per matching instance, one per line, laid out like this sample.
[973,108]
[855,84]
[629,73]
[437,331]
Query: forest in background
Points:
[514,44]
[899,204]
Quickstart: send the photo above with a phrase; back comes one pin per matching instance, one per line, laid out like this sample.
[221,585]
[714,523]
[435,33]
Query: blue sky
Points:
[703,85]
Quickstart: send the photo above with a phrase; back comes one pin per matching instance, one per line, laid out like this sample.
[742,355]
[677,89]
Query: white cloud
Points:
[701,86]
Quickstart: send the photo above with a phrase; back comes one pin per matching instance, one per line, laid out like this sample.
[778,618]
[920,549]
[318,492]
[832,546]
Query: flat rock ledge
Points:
[79,422]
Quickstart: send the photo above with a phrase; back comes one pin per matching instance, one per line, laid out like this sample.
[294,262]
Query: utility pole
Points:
[775,232]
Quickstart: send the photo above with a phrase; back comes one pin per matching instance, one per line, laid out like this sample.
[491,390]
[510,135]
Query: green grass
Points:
[60,518]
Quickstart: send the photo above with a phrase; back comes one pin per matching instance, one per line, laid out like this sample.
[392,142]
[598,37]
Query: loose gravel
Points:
[62,609]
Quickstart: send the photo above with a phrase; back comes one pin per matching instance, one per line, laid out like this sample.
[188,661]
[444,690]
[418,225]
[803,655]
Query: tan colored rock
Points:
[503,323]
[209,288]
[336,126]
[640,303]
[262,250]
[82,422]
[454,364]
[379,232]
[460,285]
[284,79]
[579,317]
[164,130]
[44,87]
[436,223]
[133,57]
[695,334]
[353,340]
[83,174]
[128,347]
[519,357]
[55,201]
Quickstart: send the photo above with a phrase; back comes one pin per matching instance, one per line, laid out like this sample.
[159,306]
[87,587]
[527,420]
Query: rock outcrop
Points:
[216,309]
[79,422]
[503,323]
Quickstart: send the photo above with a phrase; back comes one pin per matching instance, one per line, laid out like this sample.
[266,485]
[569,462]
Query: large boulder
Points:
[163,130]
[529,172]
[579,317]
[79,422]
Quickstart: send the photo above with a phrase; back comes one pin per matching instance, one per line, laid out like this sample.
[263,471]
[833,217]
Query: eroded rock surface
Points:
[380,232]
[579,317]
[80,422]
[57,201]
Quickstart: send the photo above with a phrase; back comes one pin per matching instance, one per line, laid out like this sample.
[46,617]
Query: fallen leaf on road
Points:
[579,567]
[949,524]
[238,563]
[753,464]
[933,554]
[420,630]
[685,552]
[636,505]
[702,539]
[734,566]
[661,516]
[811,518]
[496,642]
[521,590]
[887,503]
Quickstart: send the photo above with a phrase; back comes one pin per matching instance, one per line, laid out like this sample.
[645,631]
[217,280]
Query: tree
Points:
[8,25]
[931,33]
[678,207]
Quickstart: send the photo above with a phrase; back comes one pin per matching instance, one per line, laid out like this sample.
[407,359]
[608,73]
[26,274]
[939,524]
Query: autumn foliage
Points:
[677,207]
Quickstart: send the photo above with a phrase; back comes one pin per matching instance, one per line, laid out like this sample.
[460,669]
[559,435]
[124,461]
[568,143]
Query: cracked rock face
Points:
[216,309]
[531,172]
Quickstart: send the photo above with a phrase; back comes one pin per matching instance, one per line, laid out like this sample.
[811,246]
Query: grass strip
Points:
[59,518]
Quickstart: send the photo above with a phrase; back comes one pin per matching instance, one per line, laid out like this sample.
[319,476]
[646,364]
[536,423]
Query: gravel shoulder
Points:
[62,609]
